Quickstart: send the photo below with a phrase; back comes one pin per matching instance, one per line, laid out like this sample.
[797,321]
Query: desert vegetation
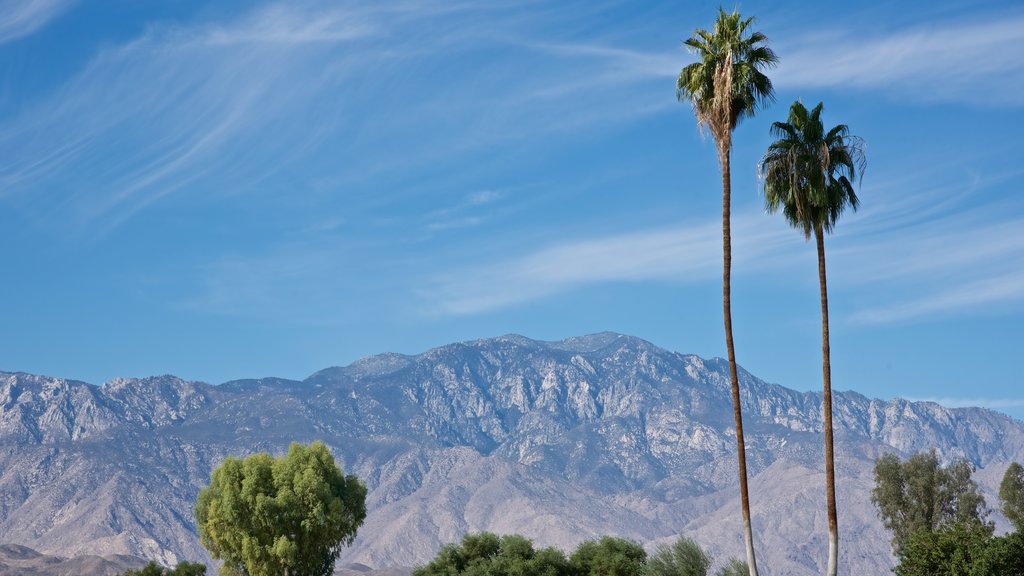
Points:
[938,518]
[182,569]
[487,554]
[291,516]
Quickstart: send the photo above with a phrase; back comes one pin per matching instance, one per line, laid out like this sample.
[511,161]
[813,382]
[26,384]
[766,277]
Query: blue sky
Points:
[245,189]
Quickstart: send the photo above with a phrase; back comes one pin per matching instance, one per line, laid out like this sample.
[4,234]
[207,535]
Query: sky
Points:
[246,189]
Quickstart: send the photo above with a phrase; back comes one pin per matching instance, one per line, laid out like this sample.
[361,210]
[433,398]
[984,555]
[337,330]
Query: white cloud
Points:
[19,18]
[214,104]
[980,402]
[924,259]
[483,197]
[453,223]
[969,295]
[689,254]
[284,24]
[621,64]
[955,61]
[218,108]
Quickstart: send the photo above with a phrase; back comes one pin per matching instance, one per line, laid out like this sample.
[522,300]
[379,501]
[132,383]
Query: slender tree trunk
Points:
[826,367]
[741,448]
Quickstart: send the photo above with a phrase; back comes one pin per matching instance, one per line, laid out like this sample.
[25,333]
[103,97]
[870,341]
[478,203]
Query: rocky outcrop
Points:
[560,441]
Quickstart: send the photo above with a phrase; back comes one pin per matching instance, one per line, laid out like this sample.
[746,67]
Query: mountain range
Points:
[559,441]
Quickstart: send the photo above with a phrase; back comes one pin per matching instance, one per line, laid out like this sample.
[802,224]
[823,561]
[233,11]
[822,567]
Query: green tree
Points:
[1011,495]
[733,567]
[608,556]
[182,569]
[486,554]
[290,515]
[808,175]
[1002,555]
[920,495]
[683,558]
[726,85]
[954,550]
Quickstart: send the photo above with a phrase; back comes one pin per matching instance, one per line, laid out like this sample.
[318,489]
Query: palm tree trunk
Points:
[741,448]
[826,367]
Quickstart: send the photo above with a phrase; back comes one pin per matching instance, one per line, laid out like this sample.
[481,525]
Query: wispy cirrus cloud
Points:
[20,18]
[286,25]
[977,402]
[219,107]
[467,213]
[687,253]
[929,259]
[173,109]
[281,281]
[952,61]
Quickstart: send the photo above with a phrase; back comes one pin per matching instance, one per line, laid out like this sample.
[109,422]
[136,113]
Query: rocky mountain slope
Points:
[559,441]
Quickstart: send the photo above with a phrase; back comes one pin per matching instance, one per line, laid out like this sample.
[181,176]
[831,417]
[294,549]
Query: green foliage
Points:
[486,554]
[1002,555]
[746,87]
[733,567]
[1011,495]
[683,558]
[808,172]
[182,569]
[291,515]
[686,558]
[920,495]
[609,557]
[952,550]
[936,515]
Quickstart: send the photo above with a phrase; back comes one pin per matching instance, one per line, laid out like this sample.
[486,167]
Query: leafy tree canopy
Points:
[733,567]
[486,554]
[183,569]
[686,558]
[609,556]
[1002,555]
[922,495]
[1011,495]
[949,551]
[683,558]
[286,516]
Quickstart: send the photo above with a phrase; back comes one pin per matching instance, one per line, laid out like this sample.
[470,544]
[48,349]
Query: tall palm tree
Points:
[726,85]
[808,174]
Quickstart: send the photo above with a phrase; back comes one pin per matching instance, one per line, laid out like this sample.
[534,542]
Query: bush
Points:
[183,569]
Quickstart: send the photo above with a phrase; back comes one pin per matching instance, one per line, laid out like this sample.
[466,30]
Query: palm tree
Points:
[808,174]
[726,85]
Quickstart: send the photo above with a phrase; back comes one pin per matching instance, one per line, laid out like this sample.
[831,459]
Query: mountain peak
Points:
[593,342]
[597,434]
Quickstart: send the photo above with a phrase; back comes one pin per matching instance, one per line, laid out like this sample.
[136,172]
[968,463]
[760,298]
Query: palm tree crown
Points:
[808,173]
[731,55]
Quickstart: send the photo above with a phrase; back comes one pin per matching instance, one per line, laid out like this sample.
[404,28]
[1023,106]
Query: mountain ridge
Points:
[610,431]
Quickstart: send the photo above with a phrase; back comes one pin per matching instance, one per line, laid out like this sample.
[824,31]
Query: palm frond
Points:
[748,88]
[808,172]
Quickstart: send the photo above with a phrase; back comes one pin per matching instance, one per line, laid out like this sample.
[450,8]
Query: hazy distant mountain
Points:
[559,441]
[22,561]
